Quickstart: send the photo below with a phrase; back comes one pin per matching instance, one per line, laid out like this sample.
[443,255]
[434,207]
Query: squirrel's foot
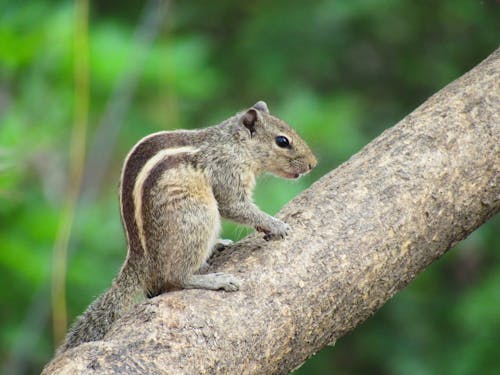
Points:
[277,230]
[222,243]
[204,267]
[213,281]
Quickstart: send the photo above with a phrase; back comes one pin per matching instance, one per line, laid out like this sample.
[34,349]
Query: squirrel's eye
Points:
[282,141]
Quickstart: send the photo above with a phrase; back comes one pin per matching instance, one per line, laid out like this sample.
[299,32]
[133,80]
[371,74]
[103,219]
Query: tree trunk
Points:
[360,234]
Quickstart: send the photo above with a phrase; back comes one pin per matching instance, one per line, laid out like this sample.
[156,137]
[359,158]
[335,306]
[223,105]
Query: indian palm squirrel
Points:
[175,186]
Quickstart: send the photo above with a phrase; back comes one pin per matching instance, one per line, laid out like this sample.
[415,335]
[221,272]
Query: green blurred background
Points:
[338,71]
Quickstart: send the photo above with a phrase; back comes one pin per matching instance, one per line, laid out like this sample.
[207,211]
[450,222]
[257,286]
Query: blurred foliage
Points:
[338,71]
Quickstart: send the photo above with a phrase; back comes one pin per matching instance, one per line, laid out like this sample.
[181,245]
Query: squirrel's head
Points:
[277,148]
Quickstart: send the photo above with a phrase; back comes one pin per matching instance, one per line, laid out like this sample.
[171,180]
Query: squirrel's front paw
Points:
[277,230]
[222,243]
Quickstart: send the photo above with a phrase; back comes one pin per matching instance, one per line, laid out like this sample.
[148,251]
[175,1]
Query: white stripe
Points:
[140,142]
[123,173]
[141,178]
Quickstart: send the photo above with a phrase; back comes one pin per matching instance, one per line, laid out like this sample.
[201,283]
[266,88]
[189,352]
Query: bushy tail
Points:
[96,321]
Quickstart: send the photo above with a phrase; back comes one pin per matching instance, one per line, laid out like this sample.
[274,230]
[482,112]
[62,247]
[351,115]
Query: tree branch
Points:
[361,233]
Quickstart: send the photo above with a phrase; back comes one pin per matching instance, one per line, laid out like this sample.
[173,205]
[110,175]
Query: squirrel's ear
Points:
[250,119]
[261,106]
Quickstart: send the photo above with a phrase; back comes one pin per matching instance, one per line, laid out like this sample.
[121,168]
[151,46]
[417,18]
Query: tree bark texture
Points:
[360,234]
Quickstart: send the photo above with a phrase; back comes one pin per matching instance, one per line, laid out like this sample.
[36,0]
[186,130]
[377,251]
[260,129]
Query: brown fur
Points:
[174,188]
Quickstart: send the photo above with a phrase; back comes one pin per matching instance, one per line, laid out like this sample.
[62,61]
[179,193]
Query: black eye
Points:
[282,141]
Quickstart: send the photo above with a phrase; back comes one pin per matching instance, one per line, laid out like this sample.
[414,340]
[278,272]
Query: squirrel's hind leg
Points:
[205,236]
[212,281]
[183,230]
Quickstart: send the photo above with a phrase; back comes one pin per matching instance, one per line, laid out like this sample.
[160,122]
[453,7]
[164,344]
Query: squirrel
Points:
[175,186]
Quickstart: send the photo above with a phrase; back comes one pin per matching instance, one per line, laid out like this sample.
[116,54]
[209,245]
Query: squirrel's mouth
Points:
[290,175]
[296,170]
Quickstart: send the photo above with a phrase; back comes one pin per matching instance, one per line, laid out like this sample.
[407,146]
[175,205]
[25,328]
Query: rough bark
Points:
[361,233]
